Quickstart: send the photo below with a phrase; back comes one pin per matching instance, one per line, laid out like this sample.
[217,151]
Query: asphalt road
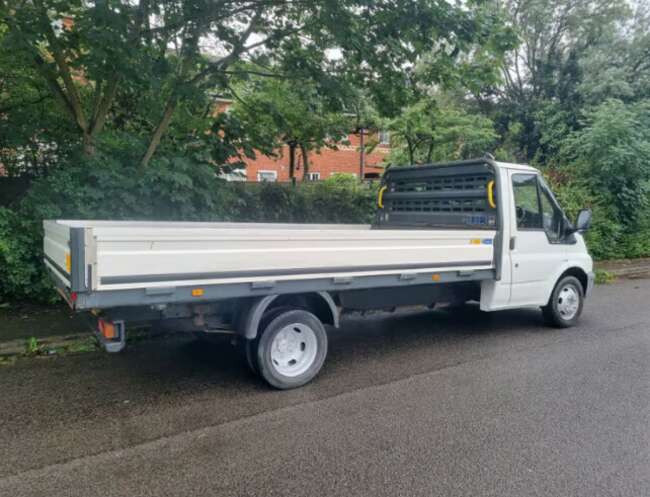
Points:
[426,404]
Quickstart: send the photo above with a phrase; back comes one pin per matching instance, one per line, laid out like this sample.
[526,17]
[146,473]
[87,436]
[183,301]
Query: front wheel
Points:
[565,305]
[292,349]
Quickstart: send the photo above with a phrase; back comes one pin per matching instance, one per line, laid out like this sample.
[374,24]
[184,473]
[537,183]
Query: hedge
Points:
[174,190]
[178,189]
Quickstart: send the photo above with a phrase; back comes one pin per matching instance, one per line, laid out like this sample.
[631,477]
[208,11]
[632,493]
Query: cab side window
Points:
[527,203]
[551,216]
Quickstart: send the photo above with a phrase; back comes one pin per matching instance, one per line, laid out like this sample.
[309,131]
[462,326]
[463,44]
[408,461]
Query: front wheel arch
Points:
[576,272]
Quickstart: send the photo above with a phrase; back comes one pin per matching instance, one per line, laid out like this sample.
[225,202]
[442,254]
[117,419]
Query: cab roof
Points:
[467,162]
[518,167]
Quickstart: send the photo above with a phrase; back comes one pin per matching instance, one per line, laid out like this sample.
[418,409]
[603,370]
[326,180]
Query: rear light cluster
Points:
[107,329]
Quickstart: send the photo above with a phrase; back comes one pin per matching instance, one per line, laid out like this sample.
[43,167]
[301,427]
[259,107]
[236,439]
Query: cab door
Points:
[536,248]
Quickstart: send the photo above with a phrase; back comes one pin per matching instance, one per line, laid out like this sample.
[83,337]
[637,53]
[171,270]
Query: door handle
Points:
[513,242]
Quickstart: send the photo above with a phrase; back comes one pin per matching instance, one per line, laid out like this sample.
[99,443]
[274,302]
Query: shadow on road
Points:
[381,346]
[158,388]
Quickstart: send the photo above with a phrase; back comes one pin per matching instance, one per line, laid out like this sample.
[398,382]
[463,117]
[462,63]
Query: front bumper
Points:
[591,281]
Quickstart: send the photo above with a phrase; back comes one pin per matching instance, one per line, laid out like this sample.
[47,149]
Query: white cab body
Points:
[531,262]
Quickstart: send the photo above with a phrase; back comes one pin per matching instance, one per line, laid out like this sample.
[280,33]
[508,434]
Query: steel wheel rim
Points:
[568,302]
[294,349]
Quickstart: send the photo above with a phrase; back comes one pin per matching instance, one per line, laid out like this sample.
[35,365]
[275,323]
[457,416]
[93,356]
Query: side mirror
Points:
[583,220]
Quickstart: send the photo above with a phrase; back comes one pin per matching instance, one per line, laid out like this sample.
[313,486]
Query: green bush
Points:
[608,237]
[110,186]
[169,189]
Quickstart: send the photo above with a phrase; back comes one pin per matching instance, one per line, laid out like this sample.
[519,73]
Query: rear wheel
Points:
[565,305]
[250,346]
[291,349]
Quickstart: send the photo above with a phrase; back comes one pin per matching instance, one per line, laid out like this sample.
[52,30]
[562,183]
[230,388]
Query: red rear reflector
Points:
[107,329]
[73,296]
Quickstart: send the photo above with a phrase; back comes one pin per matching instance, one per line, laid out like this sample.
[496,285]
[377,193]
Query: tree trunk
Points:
[88,144]
[305,162]
[292,160]
[362,154]
[430,152]
[159,132]
[188,50]
[411,149]
[103,106]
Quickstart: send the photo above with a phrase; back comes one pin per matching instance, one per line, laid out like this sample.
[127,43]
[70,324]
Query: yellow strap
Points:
[490,188]
[380,197]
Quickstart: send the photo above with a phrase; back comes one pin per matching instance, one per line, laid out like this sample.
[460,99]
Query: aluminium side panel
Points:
[130,257]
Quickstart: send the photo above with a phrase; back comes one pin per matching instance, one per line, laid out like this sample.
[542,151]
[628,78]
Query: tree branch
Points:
[190,44]
[236,52]
[101,110]
[64,69]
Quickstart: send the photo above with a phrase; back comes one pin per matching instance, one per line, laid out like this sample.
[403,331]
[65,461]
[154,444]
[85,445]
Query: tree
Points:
[278,112]
[613,152]
[438,129]
[180,50]
[618,66]
[546,67]
[33,134]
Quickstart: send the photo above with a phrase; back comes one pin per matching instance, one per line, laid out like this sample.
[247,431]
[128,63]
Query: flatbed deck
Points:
[109,263]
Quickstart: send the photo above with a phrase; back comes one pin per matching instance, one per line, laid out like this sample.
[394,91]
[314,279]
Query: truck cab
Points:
[540,243]
[535,244]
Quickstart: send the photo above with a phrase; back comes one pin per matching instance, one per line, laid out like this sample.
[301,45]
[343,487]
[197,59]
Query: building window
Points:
[384,137]
[313,176]
[269,176]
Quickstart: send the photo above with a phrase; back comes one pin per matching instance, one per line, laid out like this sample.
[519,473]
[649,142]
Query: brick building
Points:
[323,164]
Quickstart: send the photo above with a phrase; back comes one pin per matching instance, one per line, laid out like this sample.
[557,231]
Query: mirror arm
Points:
[568,228]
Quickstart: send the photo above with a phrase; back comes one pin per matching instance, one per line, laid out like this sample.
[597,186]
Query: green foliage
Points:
[276,112]
[613,151]
[573,194]
[437,129]
[331,201]
[565,86]
[21,274]
[170,189]
[603,277]
[138,66]
[32,347]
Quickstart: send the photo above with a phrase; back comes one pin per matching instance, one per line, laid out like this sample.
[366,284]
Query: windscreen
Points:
[455,196]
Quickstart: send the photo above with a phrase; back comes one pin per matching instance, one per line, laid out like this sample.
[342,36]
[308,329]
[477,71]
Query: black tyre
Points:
[291,349]
[565,305]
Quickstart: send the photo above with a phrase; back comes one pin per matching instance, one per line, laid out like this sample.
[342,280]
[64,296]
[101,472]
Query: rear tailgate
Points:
[65,257]
[56,250]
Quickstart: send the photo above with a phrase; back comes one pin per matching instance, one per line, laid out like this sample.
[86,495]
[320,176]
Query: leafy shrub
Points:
[109,186]
[604,277]
[177,188]
[608,238]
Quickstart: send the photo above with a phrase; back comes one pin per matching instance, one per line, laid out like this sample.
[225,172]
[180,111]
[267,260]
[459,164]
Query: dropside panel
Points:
[132,257]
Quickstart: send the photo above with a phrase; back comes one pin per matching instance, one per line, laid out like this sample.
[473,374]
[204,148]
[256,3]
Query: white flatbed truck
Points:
[476,230]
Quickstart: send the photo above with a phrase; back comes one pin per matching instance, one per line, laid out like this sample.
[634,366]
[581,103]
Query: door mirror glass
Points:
[583,221]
